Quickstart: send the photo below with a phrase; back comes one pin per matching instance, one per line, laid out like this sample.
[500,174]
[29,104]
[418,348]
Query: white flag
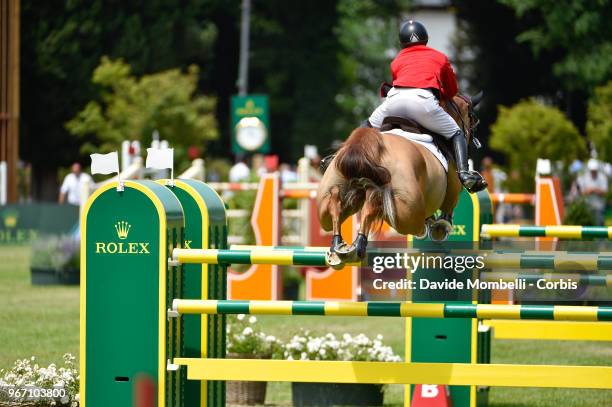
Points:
[104,163]
[160,158]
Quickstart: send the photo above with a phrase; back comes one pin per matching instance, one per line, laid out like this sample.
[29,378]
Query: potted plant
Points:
[329,347]
[60,384]
[246,341]
[55,260]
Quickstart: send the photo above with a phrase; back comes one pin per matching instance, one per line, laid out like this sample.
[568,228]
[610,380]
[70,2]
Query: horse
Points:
[390,178]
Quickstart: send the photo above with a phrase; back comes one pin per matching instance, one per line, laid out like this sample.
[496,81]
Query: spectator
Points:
[72,187]
[593,185]
[287,174]
[258,164]
[239,171]
[487,173]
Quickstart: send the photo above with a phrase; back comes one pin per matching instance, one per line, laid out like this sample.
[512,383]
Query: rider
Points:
[422,77]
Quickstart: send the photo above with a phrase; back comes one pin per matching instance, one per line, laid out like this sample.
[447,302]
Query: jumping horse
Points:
[390,178]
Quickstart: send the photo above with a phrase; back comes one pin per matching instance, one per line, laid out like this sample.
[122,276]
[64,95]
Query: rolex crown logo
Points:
[10,217]
[122,228]
[10,221]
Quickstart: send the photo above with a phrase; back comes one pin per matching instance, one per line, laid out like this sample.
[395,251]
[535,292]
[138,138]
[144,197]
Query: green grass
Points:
[41,321]
[44,321]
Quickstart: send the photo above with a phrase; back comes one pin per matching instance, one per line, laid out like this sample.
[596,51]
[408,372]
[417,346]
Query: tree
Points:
[294,61]
[530,130]
[61,45]
[321,62]
[599,121]
[368,33]
[132,108]
[488,57]
[580,29]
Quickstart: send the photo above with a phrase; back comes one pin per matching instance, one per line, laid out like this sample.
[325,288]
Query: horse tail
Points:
[359,161]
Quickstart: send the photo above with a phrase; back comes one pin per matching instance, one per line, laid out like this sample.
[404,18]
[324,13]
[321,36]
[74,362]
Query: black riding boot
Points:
[471,180]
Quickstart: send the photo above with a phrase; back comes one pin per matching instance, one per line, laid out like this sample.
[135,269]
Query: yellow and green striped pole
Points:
[562,261]
[428,250]
[275,256]
[560,231]
[393,309]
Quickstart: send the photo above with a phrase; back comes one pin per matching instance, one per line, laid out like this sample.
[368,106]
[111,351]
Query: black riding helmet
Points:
[412,33]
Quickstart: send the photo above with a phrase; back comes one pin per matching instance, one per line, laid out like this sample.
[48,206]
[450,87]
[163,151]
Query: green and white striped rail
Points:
[392,309]
[560,261]
[560,231]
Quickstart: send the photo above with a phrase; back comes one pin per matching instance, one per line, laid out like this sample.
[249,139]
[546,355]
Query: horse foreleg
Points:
[453,189]
[443,225]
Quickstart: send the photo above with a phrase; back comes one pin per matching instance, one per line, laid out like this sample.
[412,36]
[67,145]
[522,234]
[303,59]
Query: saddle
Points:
[394,122]
[409,125]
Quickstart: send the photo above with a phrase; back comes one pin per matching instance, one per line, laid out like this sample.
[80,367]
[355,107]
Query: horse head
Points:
[462,110]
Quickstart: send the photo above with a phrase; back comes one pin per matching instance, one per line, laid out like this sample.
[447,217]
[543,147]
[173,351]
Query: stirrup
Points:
[428,222]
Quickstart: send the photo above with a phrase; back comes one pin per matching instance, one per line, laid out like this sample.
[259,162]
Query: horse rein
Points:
[470,130]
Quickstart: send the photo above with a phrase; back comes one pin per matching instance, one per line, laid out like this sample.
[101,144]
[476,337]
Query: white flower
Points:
[240,317]
[252,319]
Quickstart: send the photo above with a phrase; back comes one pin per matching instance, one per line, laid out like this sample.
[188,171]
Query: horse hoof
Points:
[428,223]
[334,260]
[343,250]
[336,242]
[440,230]
[424,235]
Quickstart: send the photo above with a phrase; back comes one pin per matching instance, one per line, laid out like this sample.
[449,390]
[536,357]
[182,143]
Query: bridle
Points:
[474,121]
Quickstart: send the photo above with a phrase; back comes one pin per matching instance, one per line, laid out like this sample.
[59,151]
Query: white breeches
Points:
[417,104]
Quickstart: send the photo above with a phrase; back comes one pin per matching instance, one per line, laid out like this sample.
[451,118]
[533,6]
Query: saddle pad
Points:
[425,140]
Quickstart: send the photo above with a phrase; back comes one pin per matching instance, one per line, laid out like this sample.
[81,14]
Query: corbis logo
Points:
[123,229]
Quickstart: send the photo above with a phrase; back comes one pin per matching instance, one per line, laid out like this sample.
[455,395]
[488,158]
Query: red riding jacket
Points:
[419,66]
